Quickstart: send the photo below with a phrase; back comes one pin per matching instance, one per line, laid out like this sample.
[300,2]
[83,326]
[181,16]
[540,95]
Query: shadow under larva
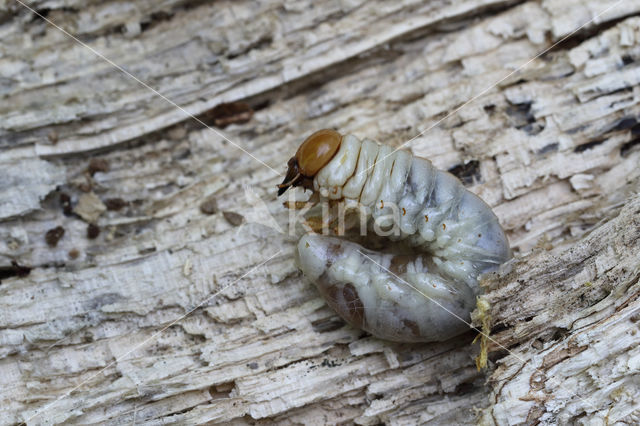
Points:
[412,275]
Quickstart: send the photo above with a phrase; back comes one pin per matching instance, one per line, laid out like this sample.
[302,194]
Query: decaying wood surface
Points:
[119,214]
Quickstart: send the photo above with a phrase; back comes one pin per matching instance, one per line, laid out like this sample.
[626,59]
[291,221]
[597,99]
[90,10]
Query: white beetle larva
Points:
[451,235]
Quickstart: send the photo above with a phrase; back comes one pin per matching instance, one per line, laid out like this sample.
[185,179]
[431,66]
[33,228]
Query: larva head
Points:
[314,153]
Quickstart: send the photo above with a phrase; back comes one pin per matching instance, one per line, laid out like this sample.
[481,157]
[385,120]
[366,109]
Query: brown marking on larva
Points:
[53,236]
[399,264]
[355,307]
[413,326]
[335,189]
[404,211]
[479,235]
[74,253]
[333,251]
[444,227]
[426,218]
[330,291]
[381,204]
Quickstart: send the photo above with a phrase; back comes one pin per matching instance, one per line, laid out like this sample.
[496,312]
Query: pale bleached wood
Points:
[556,154]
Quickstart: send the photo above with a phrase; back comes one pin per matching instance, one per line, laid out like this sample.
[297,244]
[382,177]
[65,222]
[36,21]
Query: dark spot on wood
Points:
[533,128]
[464,388]
[182,154]
[624,123]
[209,206]
[559,333]
[224,387]
[327,325]
[355,307]
[53,236]
[537,344]
[225,114]
[115,204]
[41,13]
[626,60]
[147,250]
[468,172]
[413,326]
[552,147]
[53,137]
[588,145]
[575,130]
[65,203]
[253,365]
[627,147]
[93,231]
[520,114]
[98,165]
[625,90]
[154,19]
[234,219]
[15,270]
[261,104]
[330,363]
[489,108]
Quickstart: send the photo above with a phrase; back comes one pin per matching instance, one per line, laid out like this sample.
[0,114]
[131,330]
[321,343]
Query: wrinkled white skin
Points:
[453,235]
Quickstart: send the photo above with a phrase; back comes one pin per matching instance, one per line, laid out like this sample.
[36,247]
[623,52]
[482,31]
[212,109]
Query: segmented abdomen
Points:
[452,234]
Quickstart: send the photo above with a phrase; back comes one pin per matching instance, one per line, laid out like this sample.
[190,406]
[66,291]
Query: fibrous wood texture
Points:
[119,213]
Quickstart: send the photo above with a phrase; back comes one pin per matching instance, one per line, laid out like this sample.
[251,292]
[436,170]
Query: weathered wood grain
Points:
[553,147]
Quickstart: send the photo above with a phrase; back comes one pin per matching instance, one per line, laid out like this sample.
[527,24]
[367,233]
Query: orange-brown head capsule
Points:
[314,153]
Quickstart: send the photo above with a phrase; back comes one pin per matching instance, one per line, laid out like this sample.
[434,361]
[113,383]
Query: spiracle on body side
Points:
[424,285]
